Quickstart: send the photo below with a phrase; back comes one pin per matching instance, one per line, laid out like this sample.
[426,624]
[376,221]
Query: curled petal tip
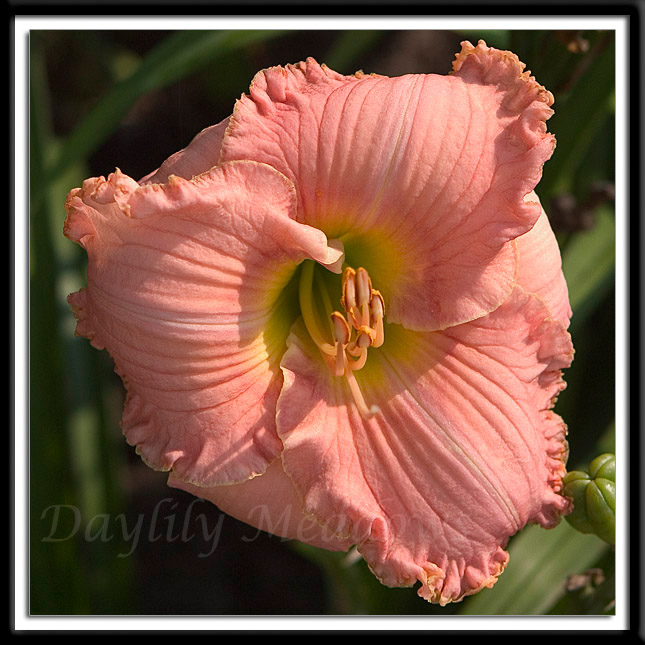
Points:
[502,68]
[335,256]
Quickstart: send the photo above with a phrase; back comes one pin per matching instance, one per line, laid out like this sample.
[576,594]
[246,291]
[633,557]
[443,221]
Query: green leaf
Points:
[348,48]
[588,263]
[591,592]
[57,584]
[534,580]
[71,463]
[579,115]
[499,38]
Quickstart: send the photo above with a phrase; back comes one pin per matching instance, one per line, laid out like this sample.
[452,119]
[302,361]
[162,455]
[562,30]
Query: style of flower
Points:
[340,314]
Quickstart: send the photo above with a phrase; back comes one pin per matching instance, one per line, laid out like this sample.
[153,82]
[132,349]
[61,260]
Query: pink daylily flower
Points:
[340,314]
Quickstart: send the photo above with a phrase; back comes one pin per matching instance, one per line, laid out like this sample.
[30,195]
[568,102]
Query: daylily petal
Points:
[271,504]
[464,451]
[200,155]
[540,267]
[183,286]
[422,176]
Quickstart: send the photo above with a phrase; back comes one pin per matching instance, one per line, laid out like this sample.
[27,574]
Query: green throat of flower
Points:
[345,338]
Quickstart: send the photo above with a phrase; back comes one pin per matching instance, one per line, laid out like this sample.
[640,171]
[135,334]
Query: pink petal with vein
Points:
[465,451]
[426,172]
[182,283]
[540,267]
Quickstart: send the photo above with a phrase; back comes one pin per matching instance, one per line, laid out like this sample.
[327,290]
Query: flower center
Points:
[345,338]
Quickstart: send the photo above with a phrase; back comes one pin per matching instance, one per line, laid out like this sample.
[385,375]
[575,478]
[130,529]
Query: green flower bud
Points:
[594,498]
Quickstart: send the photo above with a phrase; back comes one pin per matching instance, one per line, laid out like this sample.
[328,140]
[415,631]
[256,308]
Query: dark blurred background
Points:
[107,536]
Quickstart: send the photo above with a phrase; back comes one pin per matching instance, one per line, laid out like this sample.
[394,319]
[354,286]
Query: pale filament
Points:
[307,310]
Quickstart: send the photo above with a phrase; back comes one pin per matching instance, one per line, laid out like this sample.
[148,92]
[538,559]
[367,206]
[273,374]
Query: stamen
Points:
[353,334]
[305,291]
[365,337]
[363,294]
[360,346]
[342,334]
[322,289]
[363,287]
[377,311]
[353,349]
[339,365]
[359,363]
[348,298]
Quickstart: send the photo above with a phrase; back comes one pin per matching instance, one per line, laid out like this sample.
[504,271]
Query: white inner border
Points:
[23,621]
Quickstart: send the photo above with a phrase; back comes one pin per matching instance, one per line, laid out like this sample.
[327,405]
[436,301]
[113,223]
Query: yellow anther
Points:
[377,305]
[377,312]
[342,332]
[363,295]
[348,298]
[342,336]
[365,337]
[363,287]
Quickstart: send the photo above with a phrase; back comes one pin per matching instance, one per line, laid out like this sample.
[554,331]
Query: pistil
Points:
[365,412]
